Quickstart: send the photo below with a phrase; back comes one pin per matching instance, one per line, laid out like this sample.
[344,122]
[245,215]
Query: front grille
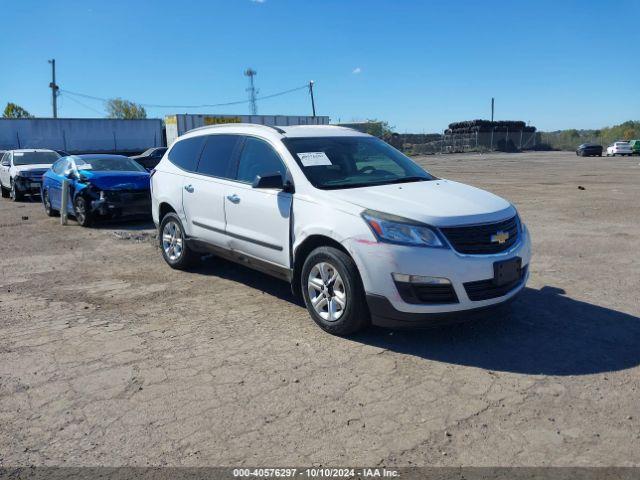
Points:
[128,196]
[426,294]
[33,174]
[477,239]
[487,289]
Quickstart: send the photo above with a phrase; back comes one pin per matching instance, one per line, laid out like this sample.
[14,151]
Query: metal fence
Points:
[495,140]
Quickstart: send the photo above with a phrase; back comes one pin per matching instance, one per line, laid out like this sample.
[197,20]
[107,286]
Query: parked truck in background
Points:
[82,135]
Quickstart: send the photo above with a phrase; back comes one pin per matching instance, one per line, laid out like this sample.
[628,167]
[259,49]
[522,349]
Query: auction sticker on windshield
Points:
[314,159]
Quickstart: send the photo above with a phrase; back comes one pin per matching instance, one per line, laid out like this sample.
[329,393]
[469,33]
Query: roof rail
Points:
[277,129]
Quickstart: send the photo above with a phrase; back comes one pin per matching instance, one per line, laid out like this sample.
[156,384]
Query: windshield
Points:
[109,164]
[34,158]
[350,162]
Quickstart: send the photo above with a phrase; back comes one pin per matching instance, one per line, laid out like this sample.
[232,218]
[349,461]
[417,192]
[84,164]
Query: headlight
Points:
[402,231]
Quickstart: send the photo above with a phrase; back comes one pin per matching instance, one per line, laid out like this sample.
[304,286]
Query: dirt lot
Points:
[108,357]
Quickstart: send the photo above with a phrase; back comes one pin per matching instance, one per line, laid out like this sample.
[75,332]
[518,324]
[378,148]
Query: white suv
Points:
[360,230]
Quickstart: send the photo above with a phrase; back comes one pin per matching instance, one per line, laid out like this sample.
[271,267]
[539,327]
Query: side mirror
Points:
[269,180]
[69,173]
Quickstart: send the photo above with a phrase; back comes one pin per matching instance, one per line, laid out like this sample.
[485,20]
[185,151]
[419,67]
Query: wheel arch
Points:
[303,250]
[163,209]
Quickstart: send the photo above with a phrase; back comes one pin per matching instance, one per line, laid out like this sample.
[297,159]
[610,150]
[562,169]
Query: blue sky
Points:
[417,64]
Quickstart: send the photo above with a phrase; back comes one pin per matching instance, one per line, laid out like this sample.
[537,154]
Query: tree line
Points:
[115,107]
[571,138]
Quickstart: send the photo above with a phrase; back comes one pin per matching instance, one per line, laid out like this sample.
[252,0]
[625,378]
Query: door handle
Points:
[233,198]
[189,188]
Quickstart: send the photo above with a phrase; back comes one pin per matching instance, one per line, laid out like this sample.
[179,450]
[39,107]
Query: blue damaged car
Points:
[100,186]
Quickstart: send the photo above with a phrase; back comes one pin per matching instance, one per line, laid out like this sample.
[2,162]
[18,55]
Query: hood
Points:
[440,203]
[117,180]
[28,168]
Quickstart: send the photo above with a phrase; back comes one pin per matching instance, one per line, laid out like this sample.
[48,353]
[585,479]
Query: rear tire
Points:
[173,243]
[5,192]
[333,292]
[46,202]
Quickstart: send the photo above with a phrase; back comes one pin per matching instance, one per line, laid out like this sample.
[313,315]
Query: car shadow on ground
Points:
[128,224]
[219,267]
[543,332]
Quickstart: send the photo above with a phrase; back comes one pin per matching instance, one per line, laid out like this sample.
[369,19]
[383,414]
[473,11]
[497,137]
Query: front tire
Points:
[5,192]
[15,195]
[82,212]
[333,292]
[173,244]
[46,202]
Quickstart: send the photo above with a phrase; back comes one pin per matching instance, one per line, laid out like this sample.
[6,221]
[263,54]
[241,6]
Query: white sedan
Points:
[619,148]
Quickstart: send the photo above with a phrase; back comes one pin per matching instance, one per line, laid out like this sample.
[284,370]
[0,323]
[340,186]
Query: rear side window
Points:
[258,158]
[185,153]
[217,155]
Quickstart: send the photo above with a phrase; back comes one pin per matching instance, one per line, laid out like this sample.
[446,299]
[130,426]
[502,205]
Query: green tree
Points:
[15,111]
[124,109]
[379,128]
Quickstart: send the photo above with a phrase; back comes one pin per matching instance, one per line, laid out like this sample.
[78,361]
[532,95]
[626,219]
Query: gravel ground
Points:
[109,357]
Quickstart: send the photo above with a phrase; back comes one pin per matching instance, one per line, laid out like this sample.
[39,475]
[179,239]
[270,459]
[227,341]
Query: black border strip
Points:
[239,237]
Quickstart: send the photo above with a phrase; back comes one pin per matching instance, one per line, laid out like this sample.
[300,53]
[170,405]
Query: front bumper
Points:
[384,314]
[120,205]
[377,261]
[27,185]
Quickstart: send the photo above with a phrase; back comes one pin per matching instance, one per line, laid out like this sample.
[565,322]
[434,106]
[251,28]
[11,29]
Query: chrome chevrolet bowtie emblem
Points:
[500,237]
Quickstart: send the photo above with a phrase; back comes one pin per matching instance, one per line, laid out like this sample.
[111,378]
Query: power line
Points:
[82,104]
[225,104]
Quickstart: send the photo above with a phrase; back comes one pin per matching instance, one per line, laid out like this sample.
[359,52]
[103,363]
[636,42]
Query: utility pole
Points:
[54,88]
[252,90]
[492,104]
[313,103]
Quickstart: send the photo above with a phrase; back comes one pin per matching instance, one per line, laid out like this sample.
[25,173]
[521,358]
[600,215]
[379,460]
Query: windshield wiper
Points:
[337,186]
[402,180]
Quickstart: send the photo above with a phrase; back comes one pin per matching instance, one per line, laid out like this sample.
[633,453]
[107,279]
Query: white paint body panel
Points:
[203,203]
[263,216]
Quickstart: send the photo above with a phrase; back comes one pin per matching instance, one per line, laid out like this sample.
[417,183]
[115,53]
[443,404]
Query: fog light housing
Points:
[420,279]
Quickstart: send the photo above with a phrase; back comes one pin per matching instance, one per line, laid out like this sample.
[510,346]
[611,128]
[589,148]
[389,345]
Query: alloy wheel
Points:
[327,291]
[81,212]
[172,241]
